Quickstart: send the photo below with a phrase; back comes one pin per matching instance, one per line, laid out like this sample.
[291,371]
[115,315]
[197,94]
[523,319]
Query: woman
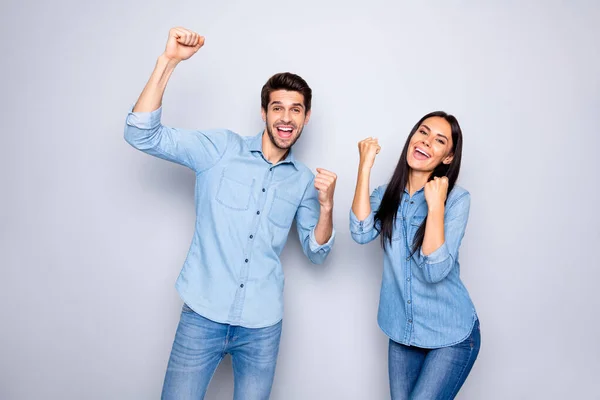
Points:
[421,216]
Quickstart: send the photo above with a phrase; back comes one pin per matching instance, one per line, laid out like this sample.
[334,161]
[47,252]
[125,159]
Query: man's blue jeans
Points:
[200,345]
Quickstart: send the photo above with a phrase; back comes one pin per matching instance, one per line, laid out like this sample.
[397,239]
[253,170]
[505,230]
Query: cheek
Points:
[271,118]
[414,140]
[442,150]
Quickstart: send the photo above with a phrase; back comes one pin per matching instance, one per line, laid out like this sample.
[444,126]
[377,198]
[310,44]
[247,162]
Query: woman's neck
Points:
[416,180]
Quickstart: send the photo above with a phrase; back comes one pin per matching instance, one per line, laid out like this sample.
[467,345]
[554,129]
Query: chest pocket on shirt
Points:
[234,194]
[282,210]
[413,227]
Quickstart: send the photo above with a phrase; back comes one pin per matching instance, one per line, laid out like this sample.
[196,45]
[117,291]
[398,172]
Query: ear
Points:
[263,114]
[307,117]
[448,159]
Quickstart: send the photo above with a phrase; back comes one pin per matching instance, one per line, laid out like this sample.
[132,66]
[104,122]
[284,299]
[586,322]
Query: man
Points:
[248,192]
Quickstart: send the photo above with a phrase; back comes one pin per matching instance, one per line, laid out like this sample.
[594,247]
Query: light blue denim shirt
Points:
[245,207]
[422,302]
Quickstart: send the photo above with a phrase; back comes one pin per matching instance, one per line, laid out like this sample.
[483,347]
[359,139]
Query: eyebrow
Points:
[293,105]
[429,129]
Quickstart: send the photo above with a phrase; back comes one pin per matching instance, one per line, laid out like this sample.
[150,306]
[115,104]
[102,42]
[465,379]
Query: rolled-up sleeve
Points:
[437,265]
[324,248]
[307,217]
[367,230]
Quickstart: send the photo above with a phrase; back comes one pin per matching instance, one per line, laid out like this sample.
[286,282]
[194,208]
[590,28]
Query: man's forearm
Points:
[151,97]
[324,228]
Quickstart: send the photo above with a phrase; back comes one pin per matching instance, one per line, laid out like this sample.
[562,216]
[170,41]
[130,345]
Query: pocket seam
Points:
[220,201]
[420,222]
[278,197]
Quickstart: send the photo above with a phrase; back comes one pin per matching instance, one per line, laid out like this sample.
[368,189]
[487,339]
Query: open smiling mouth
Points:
[421,154]
[284,132]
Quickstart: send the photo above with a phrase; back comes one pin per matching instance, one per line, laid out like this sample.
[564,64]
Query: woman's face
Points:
[430,145]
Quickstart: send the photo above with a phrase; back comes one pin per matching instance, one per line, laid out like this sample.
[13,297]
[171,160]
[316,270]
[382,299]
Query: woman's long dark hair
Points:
[388,208]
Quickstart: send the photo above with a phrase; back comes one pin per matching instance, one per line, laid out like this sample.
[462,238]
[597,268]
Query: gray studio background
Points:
[93,232]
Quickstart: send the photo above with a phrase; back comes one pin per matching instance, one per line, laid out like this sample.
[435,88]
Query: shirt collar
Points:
[255,145]
[422,190]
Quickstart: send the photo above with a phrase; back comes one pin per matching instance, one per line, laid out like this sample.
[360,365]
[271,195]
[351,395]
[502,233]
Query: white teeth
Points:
[422,152]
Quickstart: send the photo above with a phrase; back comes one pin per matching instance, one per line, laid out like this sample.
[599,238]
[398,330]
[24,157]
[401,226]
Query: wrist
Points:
[437,207]
[327,208]
[168,61]
[364,168]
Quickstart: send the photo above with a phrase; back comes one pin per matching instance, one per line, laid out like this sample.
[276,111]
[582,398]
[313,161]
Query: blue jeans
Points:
[431,374]
[199,346]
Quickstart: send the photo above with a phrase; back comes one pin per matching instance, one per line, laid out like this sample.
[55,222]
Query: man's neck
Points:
[270,151]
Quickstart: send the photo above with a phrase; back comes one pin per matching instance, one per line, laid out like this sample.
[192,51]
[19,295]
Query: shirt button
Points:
[258,213]
[251,236]
[271,169]
[246,260]
[242,285]
[264,190]
[408,302]
[412,202]
[410,321]
[407,258]
[407,279]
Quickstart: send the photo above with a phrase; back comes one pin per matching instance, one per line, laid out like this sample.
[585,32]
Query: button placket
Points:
[254,229]
[405,212]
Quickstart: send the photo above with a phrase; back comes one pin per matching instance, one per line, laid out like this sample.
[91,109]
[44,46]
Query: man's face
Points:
[285,118]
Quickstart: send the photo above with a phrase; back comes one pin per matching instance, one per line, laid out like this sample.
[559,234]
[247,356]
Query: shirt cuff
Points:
[315,247]
[438,256]
[144,120]
[359,227]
